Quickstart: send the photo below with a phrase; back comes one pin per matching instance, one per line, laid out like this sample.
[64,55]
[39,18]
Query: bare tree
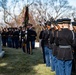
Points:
[9,11]
[40,10]
[73,14]
[50,8]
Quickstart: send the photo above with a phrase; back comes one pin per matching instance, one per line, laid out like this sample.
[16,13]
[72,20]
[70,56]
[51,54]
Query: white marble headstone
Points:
[1,52]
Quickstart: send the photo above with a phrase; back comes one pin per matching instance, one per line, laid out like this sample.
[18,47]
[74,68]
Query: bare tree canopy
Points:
[40,10]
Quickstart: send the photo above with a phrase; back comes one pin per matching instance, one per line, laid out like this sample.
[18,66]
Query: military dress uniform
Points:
[74,49]
[33,35]
[21,32]
[54,52]
[48,40]
[4,37]
[64,55]
[42,45]
[55,47]
[24,40]
[9,37]
[28,42]
[12,37]
[16,38]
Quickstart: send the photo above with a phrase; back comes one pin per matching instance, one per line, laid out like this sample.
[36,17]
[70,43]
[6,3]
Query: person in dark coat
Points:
[16,38]
[42,44]
[21,32]
[9,37]
[64,55]
[48,40]
[33,35]
[29,48]
[4,37]
[24,39]
[57,28]
[12,37]
[74,48]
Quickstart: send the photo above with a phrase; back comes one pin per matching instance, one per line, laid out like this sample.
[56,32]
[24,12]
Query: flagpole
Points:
[26,21]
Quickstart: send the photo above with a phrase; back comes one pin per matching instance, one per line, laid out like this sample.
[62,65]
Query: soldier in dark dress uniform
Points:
[48,40]
[33,37]
[64,55]
[24,39]
[13,41]
[29,49]
[12,37]
[20,36]
[42,43]
[74,48]
[57,27]
[9,37]
[16,38]
[4,37]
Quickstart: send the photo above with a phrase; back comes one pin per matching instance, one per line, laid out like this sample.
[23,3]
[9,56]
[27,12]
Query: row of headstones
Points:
[1,52]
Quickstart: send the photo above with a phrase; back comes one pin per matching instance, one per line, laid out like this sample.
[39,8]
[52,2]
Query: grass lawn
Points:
[15,62]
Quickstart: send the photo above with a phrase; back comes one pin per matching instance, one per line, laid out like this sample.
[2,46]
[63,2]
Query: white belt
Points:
[65,46]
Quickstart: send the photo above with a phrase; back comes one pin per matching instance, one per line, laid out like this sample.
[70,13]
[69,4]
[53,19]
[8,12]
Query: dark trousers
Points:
[9,43]
[43,50]
[73,65]
[33,44]
[74,62]
[13,43]
[4,41]
[20,43]
[43,54]
[16,43]
[24,47]
[28,47]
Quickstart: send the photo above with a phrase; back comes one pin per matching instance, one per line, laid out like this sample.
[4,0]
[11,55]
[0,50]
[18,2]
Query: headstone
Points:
[37,44]
[1,52]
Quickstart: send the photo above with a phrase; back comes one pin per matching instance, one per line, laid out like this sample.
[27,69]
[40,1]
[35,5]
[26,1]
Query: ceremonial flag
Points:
[26,16]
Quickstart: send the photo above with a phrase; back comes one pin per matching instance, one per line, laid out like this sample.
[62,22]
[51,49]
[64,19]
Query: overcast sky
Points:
[72,2]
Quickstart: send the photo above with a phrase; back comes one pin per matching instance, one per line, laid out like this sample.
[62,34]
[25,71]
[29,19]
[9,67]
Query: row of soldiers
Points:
[59,46]
[22,37]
